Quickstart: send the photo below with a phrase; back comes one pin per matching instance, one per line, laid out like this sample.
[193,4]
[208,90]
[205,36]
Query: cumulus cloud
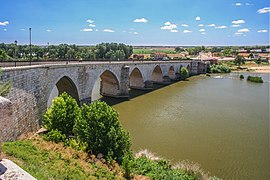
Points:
[240,21]
[221,27]
[243,30]
[135,33]
[167,23]
[211,25]
[184,25]
[90,21]
[198,18]
[174,30]
[202,30]
[235,25]
[108,30]
[92,25]
[200,25]
[141,20]
[203,33]
[22,29]
[168,26]
[5,29]
[187,31]
[238,4]
[263,31]
[48,30]
[87,30]
[4,23]
[264,10]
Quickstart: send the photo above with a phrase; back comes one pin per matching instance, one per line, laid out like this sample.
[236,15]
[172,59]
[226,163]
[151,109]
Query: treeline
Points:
[103,51]
[221,51]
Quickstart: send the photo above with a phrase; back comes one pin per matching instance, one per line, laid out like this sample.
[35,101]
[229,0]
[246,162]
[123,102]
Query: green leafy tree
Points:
[62,114]
[184,73]
[100,128]
[239,59]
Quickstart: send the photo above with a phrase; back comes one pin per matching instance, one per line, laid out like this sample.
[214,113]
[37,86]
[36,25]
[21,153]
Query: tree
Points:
[100,128]
[239,59]
[184,73]
[62,114]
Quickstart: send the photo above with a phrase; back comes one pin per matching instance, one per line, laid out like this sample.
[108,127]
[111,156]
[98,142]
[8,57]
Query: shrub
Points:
[184,73]
[219,69]
[100,128]
[62,114]
[256,79]
[241,76]
[55,136]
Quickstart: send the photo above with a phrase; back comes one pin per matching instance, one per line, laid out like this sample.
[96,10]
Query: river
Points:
[220,122]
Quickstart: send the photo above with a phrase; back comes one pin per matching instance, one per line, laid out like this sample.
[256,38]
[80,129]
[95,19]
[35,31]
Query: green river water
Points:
[220,122]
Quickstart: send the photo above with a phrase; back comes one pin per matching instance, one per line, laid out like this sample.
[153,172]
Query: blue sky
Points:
[136,22]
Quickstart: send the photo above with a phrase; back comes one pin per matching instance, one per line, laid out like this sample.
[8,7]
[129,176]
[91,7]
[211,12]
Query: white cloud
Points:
[187,31]
[240,21]
[235,25]
[200,25]
[108,30]
[90,21]
[203,33]
[48,30]
[221,27]
[174,30]
[263,31]
[248,4]
[184,25]
[5,29]
[264,10]
[198,18]
[97,30]
[243,30]
[87,30]
[136,33]
[4,23]
[238,4]
[168,26]
[211,25]
[92,25]
[142,20]
[22,29]
[238,33]
[167,23]
[202,30]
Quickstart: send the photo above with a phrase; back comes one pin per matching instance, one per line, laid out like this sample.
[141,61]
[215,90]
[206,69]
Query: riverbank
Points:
[249,66]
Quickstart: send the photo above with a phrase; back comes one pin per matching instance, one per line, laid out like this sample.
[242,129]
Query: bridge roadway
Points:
[34,87]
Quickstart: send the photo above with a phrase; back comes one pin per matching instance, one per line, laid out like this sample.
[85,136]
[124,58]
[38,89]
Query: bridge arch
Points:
[107,84]
[63,84]
[171,72]
[157,75]
[136,79]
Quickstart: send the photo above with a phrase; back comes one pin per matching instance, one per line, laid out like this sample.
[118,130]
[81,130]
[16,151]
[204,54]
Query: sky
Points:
[136,22]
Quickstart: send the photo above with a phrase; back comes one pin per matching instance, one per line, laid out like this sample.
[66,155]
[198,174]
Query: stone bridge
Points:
[34,87]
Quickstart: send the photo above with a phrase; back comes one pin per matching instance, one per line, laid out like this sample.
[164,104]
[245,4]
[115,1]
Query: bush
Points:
[184,73]
[256,79]
[62,114]
[219,69]
[55,136]
[100,128]
[241,76]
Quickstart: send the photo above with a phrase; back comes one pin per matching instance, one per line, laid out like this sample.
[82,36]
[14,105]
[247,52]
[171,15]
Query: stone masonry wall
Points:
[7,128]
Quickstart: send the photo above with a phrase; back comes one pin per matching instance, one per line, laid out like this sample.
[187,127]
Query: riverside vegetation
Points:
[89,142]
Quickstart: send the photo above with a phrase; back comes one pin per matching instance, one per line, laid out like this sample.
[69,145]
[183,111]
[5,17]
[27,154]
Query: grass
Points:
[150,51]
[47,160]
